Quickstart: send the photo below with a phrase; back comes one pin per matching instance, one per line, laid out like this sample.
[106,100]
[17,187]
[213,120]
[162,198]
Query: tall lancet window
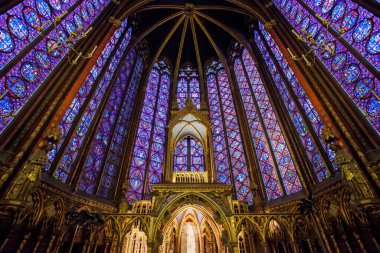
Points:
[354,59]
[108,130]
[30,50]
[277,167]
[188,87]
[188,155]
[148,151]
[80,115]
[304,116]
[230,160]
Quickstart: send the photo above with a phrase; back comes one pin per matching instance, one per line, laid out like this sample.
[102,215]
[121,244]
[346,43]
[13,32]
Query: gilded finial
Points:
[114,21]
[269,25]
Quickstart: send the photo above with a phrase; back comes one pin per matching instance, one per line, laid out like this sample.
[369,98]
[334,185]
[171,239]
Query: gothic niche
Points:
[192,229]
[190,151]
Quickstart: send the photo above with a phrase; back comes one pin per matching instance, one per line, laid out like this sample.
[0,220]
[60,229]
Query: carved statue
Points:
[31,173]
[50,210]
[225,239]
[351,174]
[307,204]
[159,238]
[123,205]
[217,217]
[333,210]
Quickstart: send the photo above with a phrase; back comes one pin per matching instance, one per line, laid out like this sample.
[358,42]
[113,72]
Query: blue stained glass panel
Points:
[313,117]
[148,149]
[105,128]
[188,86]
[45,53]
[360,28]
[227,141]
[80,100]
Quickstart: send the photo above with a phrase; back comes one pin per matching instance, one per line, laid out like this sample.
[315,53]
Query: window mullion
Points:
[225,133]
[263,126]
[148,160]
[102,171]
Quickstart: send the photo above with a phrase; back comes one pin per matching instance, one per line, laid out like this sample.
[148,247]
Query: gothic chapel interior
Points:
[235,126]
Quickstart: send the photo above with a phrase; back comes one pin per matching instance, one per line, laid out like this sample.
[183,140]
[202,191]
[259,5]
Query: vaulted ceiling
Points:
[181,30]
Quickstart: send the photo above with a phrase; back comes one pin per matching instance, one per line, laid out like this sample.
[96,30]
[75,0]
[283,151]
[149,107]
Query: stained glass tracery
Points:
[41,54]
[148,151]
[188,87]
[361,30]
[271,148]
[25,22]
[83,108]
[279,73]
[359,27]
[228,147]
[115,153]
[101,140]
[188,155]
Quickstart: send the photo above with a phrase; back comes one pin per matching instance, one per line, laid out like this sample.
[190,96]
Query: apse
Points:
[189,126]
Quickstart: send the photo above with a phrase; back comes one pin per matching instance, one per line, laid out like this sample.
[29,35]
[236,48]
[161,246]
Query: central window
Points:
[188,155]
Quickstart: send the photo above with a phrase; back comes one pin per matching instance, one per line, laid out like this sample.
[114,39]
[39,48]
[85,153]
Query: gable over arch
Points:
[189,122]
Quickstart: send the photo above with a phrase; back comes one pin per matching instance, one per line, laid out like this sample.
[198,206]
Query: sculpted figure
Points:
[30,175]
[123,205]
[352,175]
[333,210]
[350,172]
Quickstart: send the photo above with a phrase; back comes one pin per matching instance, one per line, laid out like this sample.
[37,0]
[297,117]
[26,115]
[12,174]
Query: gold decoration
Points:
[329,135]
[269,25]
[55,134]
[114,21]
[30,174]
[352,175]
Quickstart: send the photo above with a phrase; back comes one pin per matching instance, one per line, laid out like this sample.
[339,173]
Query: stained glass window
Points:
[181,156]
[271,149]
[188,155]
[115,153]
[83,108]
[148,151]
[361,35]
[230,159]
[24,23]
[101,140]
[19,33]
[279,73]
[188,86]
[359,27]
